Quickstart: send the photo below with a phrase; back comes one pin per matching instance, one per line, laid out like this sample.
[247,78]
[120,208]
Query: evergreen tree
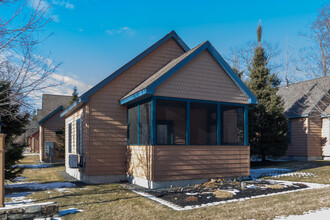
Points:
[12,127]
[238,72]
[74,95]
[267,122]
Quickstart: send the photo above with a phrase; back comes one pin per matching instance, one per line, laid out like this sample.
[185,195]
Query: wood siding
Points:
[202,78]
[314,134]
[299,130]
[107,122]
[49,127]
[182,162]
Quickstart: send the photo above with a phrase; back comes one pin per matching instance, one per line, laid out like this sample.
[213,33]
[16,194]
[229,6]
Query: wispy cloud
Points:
[65,4]
[64,88]
[121,30]
[56,18]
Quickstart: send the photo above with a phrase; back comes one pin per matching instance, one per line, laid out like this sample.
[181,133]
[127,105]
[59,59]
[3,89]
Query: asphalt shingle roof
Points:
[52,102]
[300,99]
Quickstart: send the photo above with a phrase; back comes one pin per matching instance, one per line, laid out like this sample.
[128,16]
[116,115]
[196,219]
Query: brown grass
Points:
[221,194]
[112,201]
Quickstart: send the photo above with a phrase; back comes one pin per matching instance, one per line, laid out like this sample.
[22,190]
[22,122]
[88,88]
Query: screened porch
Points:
[173,121]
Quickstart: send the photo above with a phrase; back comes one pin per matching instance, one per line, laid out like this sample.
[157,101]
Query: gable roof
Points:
[300,99]
[50,103]
[147,88]
[50,114]
[85,97]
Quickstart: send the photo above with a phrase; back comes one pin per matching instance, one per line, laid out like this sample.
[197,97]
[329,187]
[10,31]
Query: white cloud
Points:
[65,4]
[121,30]
[39,4]
[65,88]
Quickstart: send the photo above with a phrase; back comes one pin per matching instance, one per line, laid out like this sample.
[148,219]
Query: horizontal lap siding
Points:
[108,120]
[314,135]
[200,162]
[202,78]
[50,126]
[299,130]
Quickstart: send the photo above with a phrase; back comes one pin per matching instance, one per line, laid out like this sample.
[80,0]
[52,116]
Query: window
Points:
[232,126]
[170,122]
[78,137]
[203,123]
[133,125]
[145,123]
[70,138]
[289,131]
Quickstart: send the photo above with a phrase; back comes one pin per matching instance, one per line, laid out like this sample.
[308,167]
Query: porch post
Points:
[218,124]
[246,126]
[153,121]
[188,123]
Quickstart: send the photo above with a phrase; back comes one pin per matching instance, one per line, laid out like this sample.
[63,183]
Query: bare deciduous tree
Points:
[315,60]
[21,66]
[241,57]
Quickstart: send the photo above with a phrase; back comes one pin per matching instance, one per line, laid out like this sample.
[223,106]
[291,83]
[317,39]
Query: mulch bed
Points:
[217,190]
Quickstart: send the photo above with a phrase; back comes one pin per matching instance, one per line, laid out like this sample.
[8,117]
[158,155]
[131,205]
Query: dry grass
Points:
[31,159]
[275,186]
[112,201]
[221,194]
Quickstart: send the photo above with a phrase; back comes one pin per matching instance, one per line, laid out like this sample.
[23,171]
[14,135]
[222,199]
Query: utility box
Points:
[50,149]
[74,160]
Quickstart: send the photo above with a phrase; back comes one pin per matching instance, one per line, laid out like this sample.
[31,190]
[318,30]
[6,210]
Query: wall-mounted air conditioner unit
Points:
[74,160]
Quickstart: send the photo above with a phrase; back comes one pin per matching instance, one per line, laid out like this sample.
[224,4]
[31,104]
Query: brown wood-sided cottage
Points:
[170,116]
[50,125]
[306,105]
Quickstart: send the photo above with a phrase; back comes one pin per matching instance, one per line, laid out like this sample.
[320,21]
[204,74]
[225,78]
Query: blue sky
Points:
[93,38]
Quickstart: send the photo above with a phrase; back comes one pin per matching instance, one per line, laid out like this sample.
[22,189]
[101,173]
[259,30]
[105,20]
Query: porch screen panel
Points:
[203,123]
[145,123]
[232,125]
[133,125]
[170,122]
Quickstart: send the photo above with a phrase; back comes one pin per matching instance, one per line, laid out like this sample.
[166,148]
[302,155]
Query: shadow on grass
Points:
[293,165]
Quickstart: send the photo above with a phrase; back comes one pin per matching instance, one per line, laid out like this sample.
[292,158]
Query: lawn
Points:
[113,201]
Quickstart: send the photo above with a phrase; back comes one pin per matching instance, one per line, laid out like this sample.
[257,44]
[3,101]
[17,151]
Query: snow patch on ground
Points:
[69,211]
[257,173]
[20,178]
[323,213]
[20,194]
[41,186]
[64,190]
[35,166]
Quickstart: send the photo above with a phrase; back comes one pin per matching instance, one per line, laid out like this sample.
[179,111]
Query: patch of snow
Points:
[20,194]
[64,190]
[191,194]
[41,186]
[69,211]
[19,201]
[257,173]
[11,206]
[30,154]
[323,213]
[34,166]
[234,191]
[20,178]
[297,174]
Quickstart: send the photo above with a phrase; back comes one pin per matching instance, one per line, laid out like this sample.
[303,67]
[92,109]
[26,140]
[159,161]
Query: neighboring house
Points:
[307,107]
[170,116]
[50,124]
[33,141]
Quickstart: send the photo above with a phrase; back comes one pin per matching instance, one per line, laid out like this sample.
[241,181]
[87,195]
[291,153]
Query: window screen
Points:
[145,123]
[133,125]
[203,123]
[170,122]
[232,125]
